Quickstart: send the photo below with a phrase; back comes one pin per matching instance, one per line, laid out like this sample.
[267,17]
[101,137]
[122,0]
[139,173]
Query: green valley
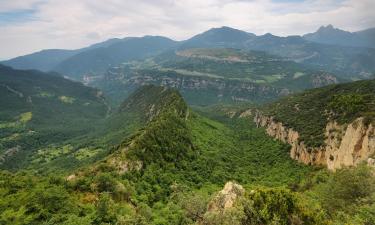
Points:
[225,127]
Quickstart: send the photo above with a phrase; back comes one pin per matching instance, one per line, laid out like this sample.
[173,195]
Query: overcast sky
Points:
[31,25]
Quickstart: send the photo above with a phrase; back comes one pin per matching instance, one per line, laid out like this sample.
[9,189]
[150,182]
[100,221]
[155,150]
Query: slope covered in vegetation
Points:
[37,109]
[172,166]
[309,112]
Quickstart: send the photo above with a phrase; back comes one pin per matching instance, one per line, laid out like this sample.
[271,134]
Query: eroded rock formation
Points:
[345,145]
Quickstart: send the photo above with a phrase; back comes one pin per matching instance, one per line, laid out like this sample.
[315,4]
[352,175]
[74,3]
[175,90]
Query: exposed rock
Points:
[246,113]
[71,177]
[9,153]
[236,90]
[345,145]
[371,162]
[226,198]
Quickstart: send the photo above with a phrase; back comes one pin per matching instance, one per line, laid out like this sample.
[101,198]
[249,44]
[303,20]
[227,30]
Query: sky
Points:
[28,26]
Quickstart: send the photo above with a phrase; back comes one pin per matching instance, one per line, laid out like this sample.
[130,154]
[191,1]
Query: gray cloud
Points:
[74,24]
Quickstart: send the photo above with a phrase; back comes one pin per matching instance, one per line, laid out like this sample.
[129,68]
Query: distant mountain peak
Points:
[330,29]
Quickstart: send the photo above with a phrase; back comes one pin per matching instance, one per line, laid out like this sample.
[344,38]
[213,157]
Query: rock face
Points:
[345,145]
[226,198]
[219,88]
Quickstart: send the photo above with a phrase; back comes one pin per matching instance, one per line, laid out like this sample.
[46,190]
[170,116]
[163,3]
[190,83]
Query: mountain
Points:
[89,64]
[218,37]
[76,63]
[346,61]
[330,35]
[96,61]
[215,75]
[171,170]
[38,109]
[331,126]
[44,60]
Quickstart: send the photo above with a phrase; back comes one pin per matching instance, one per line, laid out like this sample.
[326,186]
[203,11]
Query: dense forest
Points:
[171,169]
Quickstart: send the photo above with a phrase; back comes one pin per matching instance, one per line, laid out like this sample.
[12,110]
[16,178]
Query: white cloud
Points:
[74,24]
[10,5]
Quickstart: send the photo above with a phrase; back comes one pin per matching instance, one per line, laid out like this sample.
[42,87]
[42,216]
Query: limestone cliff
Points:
[345,145]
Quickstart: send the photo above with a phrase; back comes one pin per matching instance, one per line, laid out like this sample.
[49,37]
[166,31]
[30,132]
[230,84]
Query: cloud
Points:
[73,24]
[12,5]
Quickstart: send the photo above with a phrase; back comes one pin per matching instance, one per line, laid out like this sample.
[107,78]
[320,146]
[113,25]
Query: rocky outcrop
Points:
[345,145]
[226,198]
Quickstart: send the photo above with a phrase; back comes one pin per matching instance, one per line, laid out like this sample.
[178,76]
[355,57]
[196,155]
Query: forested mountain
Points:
[226,37]
[332,126]
[47,60]
[171,169]
[349,62]
[96,61]
[330,35]
[44,60]
[37,109]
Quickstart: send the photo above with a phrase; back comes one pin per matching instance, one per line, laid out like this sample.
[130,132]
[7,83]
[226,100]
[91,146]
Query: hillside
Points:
[96,61]
[218,75]
[170,171]
[37,109]
[334,124]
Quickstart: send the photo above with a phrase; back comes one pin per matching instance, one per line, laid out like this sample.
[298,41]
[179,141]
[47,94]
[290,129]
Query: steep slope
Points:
[330,35]
[38,108]
[331,126]
[94,62]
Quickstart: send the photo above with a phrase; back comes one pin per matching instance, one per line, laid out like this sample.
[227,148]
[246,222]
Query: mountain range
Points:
[224,128]
[347,60]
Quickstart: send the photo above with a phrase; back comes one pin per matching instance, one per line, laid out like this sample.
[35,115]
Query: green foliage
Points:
[105,210]
[309,112]
[184,158]
[348,104]
[276,206]
[29,120]
[346,188]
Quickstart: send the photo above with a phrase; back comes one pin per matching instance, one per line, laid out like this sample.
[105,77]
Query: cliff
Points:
[344,145]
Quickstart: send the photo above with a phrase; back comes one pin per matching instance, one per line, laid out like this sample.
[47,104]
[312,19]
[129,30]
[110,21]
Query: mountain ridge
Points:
[352,62]
[331,35]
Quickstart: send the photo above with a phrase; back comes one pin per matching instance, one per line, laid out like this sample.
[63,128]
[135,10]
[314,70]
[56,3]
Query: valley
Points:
[226,127]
